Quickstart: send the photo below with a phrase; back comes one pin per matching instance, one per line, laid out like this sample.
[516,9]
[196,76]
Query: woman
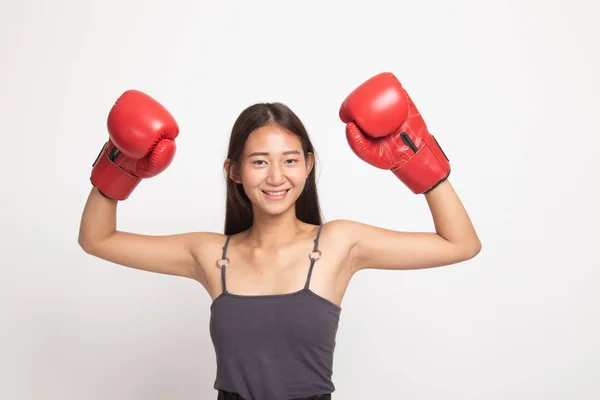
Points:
[280,273]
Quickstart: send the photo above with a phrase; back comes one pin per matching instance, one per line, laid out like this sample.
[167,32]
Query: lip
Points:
[279,197]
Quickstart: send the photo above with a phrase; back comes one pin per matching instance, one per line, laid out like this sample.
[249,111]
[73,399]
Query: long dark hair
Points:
[238,212]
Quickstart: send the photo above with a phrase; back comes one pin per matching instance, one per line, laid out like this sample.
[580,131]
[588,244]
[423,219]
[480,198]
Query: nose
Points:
[276,175]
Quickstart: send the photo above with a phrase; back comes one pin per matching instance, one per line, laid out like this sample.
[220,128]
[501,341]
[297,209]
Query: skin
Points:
[272,256]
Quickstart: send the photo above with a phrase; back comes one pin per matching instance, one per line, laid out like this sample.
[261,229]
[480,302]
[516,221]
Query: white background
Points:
[509,88]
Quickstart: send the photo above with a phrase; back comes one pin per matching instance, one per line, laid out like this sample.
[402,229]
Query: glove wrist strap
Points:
[424,171]
[112,181]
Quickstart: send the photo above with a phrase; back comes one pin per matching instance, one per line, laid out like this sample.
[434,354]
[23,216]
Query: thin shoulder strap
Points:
[226,263]
[314,255]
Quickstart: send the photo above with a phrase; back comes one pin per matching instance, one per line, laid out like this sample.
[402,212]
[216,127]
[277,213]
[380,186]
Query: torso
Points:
[280,271]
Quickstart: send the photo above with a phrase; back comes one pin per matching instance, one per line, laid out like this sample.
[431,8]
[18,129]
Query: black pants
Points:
[232,396]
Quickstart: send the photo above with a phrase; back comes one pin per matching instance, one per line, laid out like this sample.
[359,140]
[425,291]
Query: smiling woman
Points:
[280,273]
[270,152]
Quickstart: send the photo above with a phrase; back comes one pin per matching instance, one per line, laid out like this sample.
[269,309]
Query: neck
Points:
[274,231]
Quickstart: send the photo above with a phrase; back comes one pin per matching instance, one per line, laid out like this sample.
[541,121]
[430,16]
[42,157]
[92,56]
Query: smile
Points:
[276,195]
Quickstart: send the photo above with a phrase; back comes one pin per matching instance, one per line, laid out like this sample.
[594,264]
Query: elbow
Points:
[473,249]
[467,250]
[92,245]
[86,244]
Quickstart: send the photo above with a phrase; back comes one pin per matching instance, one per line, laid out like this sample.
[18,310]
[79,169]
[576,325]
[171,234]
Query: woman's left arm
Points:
[385,129]
[453,241]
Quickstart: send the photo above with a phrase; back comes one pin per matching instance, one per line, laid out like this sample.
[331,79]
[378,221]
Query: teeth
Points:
[276,193]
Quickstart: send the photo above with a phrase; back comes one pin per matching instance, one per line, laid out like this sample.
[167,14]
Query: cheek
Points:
[252,178]
[298,178]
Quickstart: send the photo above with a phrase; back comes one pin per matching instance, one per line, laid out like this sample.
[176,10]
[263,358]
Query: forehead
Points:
[272,138]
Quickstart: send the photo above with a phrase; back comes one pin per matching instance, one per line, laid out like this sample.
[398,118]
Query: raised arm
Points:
[169,254]
[385,129]
[454,239]
[141,145]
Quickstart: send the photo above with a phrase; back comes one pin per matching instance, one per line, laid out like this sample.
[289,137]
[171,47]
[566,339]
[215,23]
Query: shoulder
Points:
[342,228]
[354,232]
[206,247]
[342,232]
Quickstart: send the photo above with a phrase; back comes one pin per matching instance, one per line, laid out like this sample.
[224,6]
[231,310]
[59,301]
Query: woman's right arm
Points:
[171,254]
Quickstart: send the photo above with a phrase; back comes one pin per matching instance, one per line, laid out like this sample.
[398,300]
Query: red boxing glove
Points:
[141,145]
[385,129]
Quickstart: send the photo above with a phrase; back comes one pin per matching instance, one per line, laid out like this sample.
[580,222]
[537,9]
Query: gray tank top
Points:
[274,347]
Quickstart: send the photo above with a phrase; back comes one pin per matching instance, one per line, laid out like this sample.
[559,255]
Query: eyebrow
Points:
[264,153]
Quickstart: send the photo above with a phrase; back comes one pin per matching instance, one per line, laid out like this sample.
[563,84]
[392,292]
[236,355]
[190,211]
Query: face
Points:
[273,170]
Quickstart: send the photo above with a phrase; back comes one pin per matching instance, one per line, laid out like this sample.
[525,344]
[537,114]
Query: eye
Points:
[292,160]
[256,162]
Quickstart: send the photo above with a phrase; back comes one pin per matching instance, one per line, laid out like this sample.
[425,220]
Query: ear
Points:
[310,161]
[232,171]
